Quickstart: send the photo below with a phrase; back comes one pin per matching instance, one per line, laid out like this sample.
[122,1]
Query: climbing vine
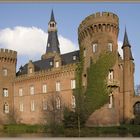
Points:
[96,92]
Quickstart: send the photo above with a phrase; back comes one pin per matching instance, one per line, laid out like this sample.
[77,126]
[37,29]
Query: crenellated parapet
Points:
[8,56]
[98,22]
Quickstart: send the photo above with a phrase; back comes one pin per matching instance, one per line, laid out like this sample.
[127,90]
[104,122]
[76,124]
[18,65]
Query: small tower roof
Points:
[52,16]
[125,40]
[127,44]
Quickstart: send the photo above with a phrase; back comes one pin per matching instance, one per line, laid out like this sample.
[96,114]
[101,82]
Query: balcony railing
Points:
[113,83]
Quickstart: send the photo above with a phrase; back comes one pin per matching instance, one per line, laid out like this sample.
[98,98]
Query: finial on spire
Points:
[52,16]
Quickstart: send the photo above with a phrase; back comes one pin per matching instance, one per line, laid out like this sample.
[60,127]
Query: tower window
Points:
[73,84]
[5,72]
[58,103]
[57,86]
[20,92]
[32,90]
[94,47]
[73,103]
[5,92]
[111,75]
[110,47]
[44,88]
[56,64]
[52,25]
[110,100]
[6,108]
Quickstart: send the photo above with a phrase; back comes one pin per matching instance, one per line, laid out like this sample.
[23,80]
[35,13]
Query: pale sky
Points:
[23,26]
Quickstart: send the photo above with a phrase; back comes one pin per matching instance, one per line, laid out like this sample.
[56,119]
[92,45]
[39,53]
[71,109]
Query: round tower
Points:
[8,59]
[97,33]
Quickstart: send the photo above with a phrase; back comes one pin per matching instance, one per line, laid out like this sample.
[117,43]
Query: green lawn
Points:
[115,131]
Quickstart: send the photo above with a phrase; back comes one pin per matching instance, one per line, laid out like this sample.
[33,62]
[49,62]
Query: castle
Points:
[46,86]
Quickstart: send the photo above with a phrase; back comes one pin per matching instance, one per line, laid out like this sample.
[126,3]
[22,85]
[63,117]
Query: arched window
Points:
[58,103]
[6,108]
[137,108]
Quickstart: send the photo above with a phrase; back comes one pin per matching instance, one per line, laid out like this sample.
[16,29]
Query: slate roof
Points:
[125,40]
[53,43]
[44,64]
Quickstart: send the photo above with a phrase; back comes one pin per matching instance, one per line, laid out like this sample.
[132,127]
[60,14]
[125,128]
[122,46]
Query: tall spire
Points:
[53,42]
[127,45]
[125,40]
[52,16]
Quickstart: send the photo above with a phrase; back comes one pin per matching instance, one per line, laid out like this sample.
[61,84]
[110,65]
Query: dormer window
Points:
[30,70]
[74,57]
[56,64]
[110,47]
[51,63]
[94,47]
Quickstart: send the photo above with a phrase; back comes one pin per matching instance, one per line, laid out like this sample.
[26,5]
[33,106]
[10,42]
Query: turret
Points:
[52,47]
[97,33]
[128,79]
[8,59]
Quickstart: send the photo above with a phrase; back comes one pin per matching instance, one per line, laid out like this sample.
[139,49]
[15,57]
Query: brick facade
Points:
[39,86]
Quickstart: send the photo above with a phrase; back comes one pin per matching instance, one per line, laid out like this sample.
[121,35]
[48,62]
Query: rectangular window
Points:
[32,105]
[58,103]
[73,84]
[32,90]
[5,72]
[94,47]
[20,92]
[57,86]
[45,104]
[110,47]
[5,92]
[44,88]
[21,107]
[6,108]
[57,64]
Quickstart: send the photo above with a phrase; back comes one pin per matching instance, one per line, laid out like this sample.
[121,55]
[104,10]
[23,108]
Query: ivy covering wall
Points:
[96,94]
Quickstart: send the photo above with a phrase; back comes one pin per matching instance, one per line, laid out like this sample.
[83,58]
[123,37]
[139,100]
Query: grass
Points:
[115,131]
